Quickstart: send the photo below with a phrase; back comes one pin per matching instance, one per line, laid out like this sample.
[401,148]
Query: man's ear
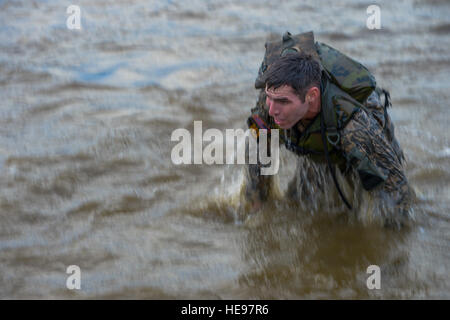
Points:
[312,94]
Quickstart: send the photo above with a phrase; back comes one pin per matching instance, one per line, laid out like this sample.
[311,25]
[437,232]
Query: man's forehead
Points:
[282,90]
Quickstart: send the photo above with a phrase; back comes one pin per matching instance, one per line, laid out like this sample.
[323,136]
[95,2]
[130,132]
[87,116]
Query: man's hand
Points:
[249,207]
[257,188]
[256,207]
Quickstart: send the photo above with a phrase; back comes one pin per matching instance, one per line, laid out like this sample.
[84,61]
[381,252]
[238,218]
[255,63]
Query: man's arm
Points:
[258,186]
[370,153]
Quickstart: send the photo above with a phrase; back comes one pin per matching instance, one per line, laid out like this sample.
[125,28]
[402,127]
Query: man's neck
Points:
[313,111]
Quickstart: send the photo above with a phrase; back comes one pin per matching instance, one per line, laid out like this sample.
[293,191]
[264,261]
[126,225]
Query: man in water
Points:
[294,101]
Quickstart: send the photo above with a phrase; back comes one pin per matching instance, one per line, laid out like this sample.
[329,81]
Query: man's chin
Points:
[284,126]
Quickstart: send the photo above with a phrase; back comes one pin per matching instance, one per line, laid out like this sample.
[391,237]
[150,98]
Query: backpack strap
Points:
[329,131]
[329,115]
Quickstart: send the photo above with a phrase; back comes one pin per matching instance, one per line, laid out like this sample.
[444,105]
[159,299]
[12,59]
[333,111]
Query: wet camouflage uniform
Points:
[363,143]
[367,144]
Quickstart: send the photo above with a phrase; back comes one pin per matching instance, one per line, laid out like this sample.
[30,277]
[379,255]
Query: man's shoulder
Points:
[361,120]
[361,133]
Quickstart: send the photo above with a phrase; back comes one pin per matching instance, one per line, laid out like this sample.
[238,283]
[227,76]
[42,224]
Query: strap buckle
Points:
[333,137]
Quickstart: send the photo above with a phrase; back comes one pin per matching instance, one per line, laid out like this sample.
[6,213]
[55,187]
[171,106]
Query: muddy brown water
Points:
[86,174]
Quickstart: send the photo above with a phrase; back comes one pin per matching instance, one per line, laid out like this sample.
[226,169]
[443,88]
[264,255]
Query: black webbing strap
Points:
[323,129]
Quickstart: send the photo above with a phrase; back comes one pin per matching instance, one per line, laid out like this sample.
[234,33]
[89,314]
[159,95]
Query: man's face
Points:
[285,106]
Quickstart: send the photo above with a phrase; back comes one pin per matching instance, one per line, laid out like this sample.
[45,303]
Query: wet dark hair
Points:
[298,70]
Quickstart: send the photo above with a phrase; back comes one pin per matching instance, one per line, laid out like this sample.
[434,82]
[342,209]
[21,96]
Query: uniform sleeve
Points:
[369,152]
[258,186]
[260,110]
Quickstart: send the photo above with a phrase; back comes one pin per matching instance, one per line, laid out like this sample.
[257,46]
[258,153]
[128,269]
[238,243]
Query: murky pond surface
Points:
[87,178]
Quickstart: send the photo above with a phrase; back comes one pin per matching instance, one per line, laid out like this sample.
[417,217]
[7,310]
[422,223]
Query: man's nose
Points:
[273,110]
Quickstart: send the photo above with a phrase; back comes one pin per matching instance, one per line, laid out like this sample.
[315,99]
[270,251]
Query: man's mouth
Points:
[278,121]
